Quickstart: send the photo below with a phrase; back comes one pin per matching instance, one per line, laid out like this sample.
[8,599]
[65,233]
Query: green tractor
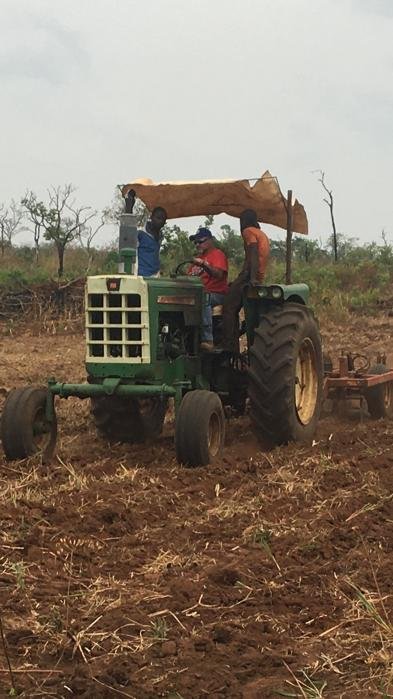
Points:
[142,349]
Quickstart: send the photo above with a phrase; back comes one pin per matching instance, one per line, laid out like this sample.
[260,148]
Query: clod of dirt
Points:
[34,553]
[168,648]
[223,576]
[203,645]
[221,634]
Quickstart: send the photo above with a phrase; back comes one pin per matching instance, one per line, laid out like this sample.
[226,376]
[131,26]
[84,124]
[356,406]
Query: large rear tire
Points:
[128,420]
[380,397]
[286,376]
[25,429]
[200,428]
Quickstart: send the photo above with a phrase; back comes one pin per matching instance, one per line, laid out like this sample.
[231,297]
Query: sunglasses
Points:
[200,242]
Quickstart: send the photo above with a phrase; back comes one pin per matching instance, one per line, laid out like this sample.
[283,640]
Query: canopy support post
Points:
[288,257]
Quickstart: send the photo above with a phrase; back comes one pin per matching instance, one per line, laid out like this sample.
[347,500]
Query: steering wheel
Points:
[185,262]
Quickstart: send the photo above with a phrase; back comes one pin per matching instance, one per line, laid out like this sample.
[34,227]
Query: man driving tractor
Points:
[211,265]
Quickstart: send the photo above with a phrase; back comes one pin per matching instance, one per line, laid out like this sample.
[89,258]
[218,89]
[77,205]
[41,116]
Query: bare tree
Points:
[10,224]
[61,220]
[384,236]
[85,238]
[330,202]
[37,235]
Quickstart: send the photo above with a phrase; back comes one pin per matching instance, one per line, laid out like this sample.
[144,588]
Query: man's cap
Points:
[201,234]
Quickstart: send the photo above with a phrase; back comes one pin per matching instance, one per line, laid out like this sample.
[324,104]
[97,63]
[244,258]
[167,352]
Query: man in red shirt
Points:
[211,265]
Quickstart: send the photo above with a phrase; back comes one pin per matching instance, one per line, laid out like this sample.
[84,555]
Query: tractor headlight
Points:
[263,292]
[276,292]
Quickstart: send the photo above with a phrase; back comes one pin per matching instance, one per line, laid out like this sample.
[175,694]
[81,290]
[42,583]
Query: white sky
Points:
[99,93]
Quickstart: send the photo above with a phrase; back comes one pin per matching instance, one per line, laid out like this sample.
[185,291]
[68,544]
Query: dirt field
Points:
[266,574]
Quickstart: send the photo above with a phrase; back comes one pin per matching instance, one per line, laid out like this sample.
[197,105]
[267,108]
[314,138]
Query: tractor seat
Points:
[217,310]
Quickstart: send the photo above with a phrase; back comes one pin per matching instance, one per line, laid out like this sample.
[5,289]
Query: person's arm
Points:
[253,263]
[214,272]
[251,266]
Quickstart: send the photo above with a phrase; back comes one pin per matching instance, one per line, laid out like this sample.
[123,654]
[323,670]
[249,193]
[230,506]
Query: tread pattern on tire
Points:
[271,374]
[16,423]
[375,396]
[191,428]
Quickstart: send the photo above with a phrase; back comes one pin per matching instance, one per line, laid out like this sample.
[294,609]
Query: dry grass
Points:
[119,569]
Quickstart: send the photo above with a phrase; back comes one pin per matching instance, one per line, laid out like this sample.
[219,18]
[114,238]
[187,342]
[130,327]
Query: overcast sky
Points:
[99,93]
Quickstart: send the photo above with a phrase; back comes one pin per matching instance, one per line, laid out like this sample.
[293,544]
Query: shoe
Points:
[206,346]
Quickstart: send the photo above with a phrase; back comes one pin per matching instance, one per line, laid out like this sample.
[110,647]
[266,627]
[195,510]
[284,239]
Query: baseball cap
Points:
[201,234]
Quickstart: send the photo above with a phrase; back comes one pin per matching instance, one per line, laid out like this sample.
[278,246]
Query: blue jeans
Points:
[207,316]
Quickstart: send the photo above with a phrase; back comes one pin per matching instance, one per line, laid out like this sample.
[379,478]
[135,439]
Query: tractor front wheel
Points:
[128,420]
[25,429]
[380,397]
[285,375]
[200,428]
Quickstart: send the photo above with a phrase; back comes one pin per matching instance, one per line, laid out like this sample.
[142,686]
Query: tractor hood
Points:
[217,197]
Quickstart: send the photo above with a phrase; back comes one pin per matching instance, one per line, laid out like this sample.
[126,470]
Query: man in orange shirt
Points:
[256,248]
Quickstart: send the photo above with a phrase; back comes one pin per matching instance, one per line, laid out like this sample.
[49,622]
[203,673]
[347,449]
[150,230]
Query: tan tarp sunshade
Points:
[217,197]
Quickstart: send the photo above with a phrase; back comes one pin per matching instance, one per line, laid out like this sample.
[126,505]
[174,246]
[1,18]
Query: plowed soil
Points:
[266,574]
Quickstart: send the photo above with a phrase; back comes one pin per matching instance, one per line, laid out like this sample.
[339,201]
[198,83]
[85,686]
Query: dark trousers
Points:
[232,304]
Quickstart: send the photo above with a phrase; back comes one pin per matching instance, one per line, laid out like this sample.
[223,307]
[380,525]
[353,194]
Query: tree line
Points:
[63,224]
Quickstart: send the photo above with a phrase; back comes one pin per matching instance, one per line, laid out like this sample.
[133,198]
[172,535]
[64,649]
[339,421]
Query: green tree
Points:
[176,247]
[306,250]
[343,244]
[232,244]
[209,220]
[278,250]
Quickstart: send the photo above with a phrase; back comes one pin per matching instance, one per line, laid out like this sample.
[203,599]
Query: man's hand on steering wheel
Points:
[179,266]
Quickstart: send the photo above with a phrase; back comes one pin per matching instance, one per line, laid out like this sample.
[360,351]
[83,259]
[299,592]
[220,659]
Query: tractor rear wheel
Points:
[25,429]
[200,428]
[285,375]
[128,420]
[380,397]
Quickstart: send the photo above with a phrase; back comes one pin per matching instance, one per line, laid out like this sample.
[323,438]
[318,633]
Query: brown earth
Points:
[265,574]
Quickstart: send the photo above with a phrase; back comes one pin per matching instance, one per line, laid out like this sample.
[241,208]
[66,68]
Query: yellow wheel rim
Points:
[306,382]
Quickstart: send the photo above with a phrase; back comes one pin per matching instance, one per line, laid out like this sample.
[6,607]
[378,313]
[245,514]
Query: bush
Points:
[359,281]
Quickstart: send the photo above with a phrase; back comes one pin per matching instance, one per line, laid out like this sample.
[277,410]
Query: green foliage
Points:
[208,222]
[176,248]
[159,629]
[18,279]
[18,569]
[110,262]
[232,244]
[25,253]
[361,279]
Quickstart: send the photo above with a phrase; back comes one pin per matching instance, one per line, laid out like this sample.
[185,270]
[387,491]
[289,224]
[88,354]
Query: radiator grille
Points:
[116,327]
